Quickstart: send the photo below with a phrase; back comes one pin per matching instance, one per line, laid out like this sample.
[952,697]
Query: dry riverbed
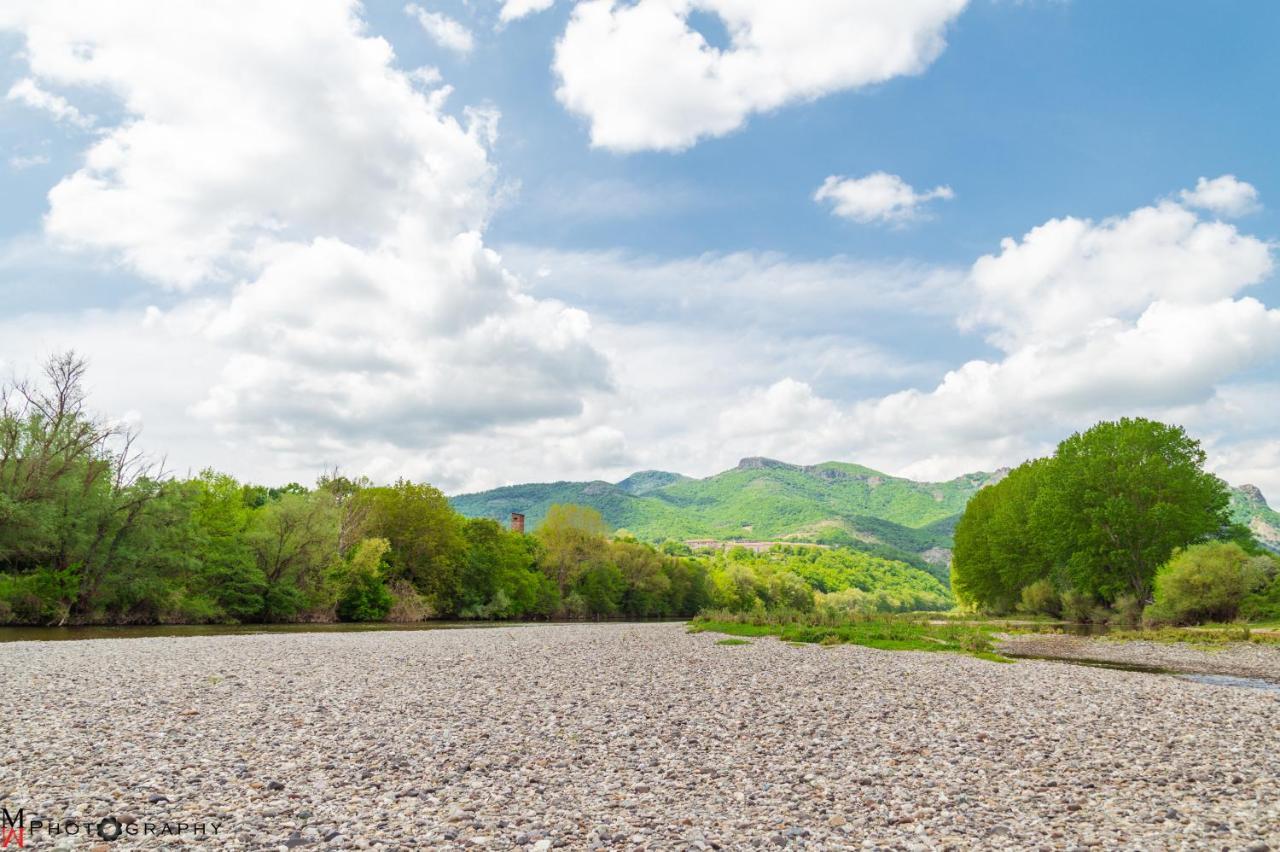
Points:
[1240,659]
[625,737]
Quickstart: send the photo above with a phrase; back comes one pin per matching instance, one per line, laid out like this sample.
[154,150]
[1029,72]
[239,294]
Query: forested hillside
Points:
[830,503]
[762,499]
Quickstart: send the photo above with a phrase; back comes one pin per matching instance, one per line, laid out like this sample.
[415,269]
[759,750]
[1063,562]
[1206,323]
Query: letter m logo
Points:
[12,829]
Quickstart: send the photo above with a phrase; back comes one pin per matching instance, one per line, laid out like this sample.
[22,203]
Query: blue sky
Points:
[584,261]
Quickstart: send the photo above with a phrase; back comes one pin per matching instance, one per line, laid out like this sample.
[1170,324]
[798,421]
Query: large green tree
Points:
[997,550]
[426,536]
[573,540]
[1120,498]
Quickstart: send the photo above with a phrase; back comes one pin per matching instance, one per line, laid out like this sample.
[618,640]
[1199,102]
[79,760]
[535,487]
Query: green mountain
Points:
[764,499]
[1250,508]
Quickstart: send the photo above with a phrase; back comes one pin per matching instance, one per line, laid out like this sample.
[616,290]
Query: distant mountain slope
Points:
[832,503]
[649,480]
[765,499]
[1250,508]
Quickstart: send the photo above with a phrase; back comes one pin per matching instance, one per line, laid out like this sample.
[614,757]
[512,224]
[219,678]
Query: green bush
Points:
[40,597]
[1264,604]
[1101,614]
[1205,582]
[367,598]
[1126,611]
[1077,606]
[1041,598]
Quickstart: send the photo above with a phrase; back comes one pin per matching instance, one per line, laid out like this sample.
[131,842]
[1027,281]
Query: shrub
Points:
[1264,604]
[788,591]
[1126,611]
[407,603]
[1041,598]
[1100,614]
[1077,606]
[39,597]
[366,598]
[1204,582]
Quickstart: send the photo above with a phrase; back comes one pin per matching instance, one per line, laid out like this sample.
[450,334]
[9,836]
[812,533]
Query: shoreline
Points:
[1237,659]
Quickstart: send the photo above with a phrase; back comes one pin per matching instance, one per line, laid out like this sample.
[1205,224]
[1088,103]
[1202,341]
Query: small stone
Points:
[275,785]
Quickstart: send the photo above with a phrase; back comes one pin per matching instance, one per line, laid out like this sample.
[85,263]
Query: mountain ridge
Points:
[836,503]
[761,498]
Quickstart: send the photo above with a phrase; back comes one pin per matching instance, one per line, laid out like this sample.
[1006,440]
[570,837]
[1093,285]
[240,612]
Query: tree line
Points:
[92,531]
[1121,521]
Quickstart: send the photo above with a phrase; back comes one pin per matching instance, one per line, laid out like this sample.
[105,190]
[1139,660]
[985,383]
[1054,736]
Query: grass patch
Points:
[1195,635]
[732,641]
[885,633]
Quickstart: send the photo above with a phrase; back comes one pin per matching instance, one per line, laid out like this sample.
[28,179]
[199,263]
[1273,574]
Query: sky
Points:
[479,242]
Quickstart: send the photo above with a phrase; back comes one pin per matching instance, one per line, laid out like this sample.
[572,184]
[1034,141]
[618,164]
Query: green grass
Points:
[733,642]
[1195,635]
[884,633]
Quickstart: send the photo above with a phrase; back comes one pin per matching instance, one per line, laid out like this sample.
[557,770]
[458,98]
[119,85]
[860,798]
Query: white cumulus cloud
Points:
[442,29]
[645,79]
[320,224]
[513,10]
[878,197]
[1226,195]
[1141,314]
[29,92]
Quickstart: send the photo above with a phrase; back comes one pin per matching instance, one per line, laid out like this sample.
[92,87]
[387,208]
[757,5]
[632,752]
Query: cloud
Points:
[757,290]
[20,162]
[646,80]
[878,197]
[513,10]
[28,92]
[1069,274]
[442,29]
[320,229]
[1224,195]
[1141,314]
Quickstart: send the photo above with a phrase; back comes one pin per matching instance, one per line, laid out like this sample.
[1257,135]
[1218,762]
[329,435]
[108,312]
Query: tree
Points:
[427,544]
[353,512]
[645,580]
[73,489]
[1121,498]
[997,552]
[225,567]
[362,593]
[500,577]
[295,542]
[600,587]
[573,539]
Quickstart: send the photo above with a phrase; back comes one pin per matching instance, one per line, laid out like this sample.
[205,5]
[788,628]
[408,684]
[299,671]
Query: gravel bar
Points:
[1243,659]
[623,736]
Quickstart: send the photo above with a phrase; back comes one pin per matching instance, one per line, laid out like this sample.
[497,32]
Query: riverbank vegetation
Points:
[1122,524]
[832,627]
[94,532]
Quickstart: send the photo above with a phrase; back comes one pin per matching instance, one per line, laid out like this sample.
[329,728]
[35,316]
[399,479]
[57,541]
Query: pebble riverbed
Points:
[623,736]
